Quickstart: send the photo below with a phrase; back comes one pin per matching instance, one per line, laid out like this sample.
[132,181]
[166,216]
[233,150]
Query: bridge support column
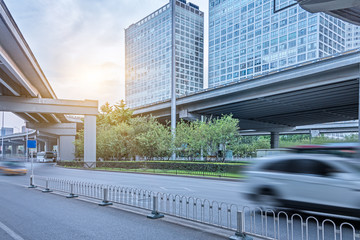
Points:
[358,150]
[66,148]
[12,146]
[274,141]
[47,147]
[39,146]
[90,141]
[359,115]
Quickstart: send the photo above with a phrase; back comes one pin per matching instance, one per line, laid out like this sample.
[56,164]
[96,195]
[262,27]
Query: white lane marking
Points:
[10,232]
[188,189]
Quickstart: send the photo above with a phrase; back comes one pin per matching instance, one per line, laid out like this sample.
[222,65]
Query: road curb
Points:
[158,174]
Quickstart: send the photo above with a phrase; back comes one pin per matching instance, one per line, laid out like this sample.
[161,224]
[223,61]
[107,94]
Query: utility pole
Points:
[173,79]
[26,144]
[2,135]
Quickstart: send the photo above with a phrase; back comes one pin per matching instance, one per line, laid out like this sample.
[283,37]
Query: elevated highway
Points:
[25,91]
[347,10]
[325,90]
[316,129]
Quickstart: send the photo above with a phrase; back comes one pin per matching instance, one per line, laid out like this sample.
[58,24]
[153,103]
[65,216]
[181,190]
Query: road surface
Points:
[29,214]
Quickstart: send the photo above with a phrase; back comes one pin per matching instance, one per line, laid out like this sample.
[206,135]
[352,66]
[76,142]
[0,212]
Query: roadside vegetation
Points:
[213,169]
[120,136]
[123,137]
[303,139]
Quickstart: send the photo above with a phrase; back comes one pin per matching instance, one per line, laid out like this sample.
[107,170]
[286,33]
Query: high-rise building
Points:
[352,36]
[24,129]
[148,54]
[247,38]
[6,131]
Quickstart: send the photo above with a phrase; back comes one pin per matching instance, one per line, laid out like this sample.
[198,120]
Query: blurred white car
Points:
[315,182]
[45,156]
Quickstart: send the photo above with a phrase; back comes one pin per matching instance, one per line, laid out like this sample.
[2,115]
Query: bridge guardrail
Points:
[245,221]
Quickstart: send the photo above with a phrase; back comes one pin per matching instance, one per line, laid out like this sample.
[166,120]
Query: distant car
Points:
[322,183]
[45,156]
[12,168]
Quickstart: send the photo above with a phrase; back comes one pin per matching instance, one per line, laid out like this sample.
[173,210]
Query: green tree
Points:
[247,145]
[79,144]
[223,134]
[214,137]
[120,113]
[155,141]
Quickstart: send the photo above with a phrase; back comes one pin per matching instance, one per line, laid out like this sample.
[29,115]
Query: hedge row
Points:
[200,167]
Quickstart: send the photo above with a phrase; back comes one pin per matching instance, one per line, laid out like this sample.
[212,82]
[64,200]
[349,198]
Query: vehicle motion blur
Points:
[13,168]
[313,182]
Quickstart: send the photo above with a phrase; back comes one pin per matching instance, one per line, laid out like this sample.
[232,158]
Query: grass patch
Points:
[171,172]
[176,172]
[187,162]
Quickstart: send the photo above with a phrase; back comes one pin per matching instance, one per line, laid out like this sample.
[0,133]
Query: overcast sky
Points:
[79,44]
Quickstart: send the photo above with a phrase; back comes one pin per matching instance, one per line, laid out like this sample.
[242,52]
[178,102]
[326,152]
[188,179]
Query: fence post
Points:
[155,213]
[239,234]
[46,190]
[71,195]
[32,182]
[105,201]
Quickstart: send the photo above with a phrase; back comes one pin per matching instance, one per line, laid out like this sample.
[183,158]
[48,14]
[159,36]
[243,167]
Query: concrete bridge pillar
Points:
[12,147]
[274,141]
[90,140]
[66,137]
[66,148]
[48,147]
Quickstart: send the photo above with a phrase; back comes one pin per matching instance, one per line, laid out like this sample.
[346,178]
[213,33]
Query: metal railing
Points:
[270,224]
[245,221]
[210,212]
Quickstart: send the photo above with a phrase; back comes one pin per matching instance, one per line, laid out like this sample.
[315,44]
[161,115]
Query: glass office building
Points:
[352,36]
[246,38]
[148,54]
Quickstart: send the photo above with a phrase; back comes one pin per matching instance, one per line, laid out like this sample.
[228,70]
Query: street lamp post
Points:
[173,80]
[2,135]
[26,144]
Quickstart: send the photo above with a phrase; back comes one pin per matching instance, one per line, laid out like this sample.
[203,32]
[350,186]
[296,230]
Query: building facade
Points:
[148,54]
[246,38]
[6,131]
[352,36]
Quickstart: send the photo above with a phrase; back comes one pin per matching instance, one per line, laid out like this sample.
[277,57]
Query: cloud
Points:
[80,43]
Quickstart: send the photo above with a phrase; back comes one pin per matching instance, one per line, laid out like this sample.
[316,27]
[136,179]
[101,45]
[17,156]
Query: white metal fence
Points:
[264,224]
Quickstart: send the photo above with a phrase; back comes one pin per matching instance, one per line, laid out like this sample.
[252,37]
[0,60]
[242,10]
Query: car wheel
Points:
[267,200]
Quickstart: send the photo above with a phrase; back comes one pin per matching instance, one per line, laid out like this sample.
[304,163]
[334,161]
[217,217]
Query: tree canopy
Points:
[121,136]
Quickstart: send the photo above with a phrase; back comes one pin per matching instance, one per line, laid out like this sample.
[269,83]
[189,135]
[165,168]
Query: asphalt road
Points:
[211,189]
[28,214]
[221,191]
